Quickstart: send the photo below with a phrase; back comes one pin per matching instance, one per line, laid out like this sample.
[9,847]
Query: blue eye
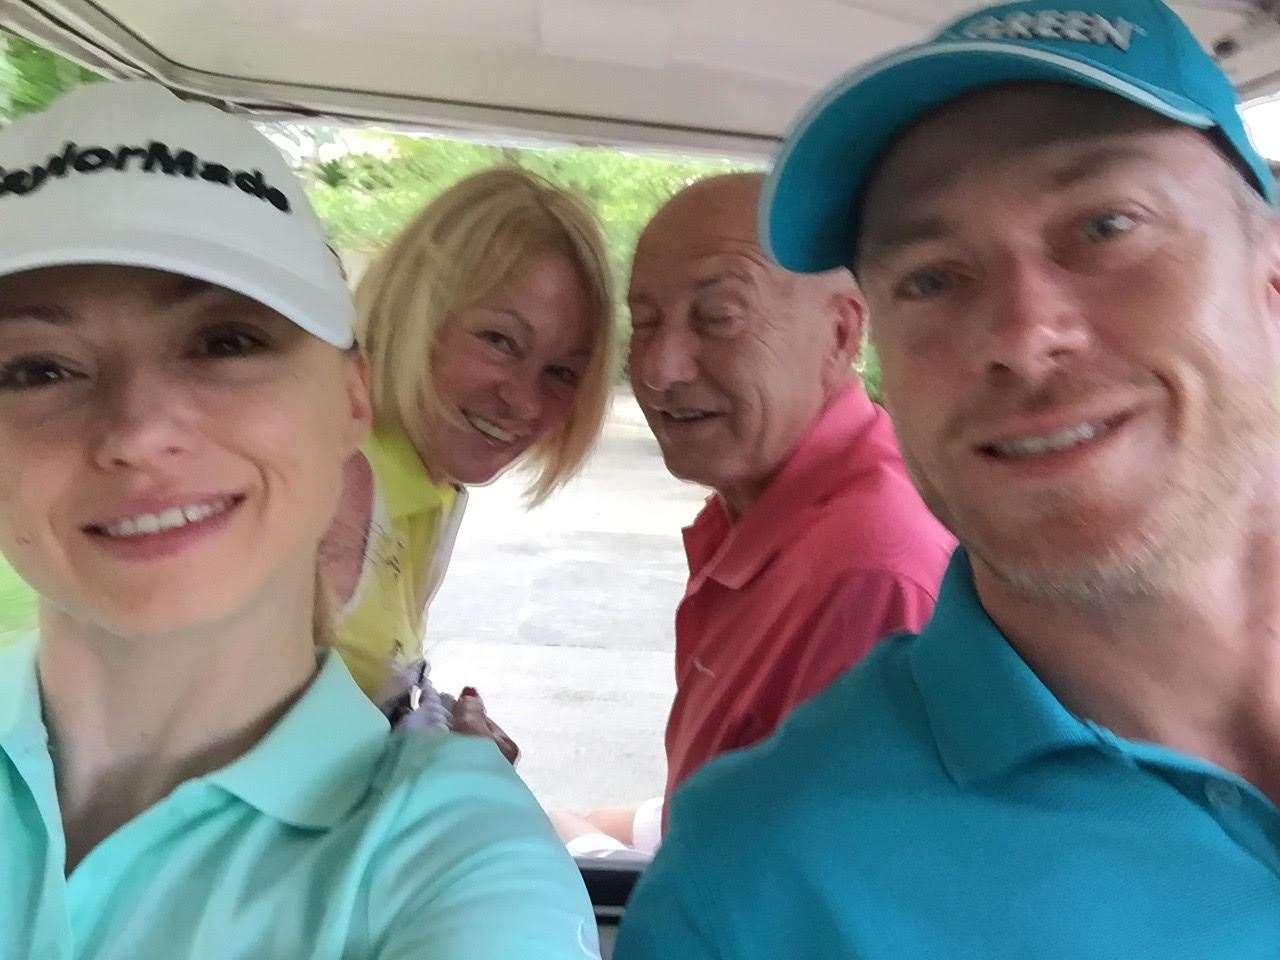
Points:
[1109,226]
[925,284]
[33,373]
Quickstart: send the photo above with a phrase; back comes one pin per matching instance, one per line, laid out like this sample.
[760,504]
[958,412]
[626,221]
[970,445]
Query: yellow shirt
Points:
[411,532]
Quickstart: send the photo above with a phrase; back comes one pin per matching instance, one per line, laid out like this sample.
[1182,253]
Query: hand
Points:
[469,718]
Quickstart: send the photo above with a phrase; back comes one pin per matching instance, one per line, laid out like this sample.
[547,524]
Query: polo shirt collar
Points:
[841,442]
[319,760]
[406,486]
[21,721]
[987,709]
[309,771]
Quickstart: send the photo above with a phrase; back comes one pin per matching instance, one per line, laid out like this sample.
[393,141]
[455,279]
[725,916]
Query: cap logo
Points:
[155,157]
[1072,25]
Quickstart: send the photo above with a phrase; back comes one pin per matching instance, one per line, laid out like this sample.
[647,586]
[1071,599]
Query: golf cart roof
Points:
[719,75]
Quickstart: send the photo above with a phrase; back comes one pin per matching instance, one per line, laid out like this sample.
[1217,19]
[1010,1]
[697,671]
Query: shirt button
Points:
[1223,795]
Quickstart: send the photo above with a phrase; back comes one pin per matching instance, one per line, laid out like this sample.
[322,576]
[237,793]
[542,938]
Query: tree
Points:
[31,77]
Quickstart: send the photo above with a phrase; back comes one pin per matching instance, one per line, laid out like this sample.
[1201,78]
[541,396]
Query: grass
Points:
[17,604]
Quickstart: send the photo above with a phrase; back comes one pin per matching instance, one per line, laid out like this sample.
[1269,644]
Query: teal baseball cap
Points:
[1136,49]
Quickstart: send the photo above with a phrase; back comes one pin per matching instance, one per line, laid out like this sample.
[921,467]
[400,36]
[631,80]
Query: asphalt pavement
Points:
[563,618]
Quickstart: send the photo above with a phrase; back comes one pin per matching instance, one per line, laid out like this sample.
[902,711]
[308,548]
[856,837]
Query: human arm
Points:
[618,832]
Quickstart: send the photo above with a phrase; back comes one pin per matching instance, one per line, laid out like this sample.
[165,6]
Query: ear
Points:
[847,310]
[1272,263]
[359,405]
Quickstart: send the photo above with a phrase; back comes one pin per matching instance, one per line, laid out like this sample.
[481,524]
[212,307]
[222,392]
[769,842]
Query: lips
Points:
[1029,444]
[677,417]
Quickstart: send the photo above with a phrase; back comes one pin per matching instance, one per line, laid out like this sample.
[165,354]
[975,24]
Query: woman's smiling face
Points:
[173,450]
[507,369]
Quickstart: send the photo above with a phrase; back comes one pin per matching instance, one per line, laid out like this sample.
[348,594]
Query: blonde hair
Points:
[476,237]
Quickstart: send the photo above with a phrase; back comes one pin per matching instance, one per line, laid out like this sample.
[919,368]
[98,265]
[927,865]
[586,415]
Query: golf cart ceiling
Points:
[724,75]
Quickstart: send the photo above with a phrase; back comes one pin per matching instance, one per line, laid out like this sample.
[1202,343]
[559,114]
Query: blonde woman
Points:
[487,328]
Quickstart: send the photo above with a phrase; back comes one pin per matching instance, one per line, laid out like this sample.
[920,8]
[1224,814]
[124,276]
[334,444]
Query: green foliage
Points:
[868,368]
[31,78]
[332,173]
[17,604]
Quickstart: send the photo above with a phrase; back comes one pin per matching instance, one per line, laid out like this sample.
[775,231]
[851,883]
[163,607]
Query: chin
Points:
[1080,563]
[479,474]
[164,611]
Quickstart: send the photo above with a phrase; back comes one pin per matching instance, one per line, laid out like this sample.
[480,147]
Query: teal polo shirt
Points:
[331,838]
[939,801]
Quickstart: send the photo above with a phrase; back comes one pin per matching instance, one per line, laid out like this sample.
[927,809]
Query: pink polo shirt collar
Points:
[733,553]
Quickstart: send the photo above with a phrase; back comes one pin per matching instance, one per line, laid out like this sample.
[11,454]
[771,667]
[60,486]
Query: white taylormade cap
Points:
[128,174]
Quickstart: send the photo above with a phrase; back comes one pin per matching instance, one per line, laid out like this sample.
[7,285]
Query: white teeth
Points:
[1052,443]
[171,519]
[196,514]
[491,430]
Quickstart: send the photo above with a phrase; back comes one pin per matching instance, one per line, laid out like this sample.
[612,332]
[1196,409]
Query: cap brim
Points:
[808,204]
[326,314]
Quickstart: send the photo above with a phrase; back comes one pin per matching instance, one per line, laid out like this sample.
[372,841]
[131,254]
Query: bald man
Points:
[814,544]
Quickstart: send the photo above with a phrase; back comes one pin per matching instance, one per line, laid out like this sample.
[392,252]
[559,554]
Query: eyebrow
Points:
[515,315]
[183,291]
[186,289]
[730,273]
[1089,166]
[905,233]
[1097,163]
[39,313]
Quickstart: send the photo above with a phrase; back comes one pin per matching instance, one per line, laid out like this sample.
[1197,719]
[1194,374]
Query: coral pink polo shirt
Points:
[837,552]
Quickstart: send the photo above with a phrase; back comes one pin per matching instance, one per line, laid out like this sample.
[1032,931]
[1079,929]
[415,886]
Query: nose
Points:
[1035,324]
[142,422]
[520,395]
[665,358]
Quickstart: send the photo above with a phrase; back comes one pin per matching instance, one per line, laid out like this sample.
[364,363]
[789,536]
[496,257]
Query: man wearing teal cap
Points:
[1071,261]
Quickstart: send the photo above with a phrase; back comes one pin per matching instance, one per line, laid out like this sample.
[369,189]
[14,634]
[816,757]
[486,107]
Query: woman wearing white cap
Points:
[487,325]
[181,775]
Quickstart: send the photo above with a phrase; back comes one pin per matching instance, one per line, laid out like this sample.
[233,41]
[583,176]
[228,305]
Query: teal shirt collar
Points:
[319,760]
[309,771]
[987,709]
[21,722]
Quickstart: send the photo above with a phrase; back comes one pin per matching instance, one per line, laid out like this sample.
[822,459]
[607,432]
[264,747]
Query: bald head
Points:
[718,207]
[732,357]
[719,214]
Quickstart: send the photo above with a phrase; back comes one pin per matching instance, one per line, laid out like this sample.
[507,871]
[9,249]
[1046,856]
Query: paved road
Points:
[562,618]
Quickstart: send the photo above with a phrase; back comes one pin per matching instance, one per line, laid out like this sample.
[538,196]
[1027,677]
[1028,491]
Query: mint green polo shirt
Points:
[332,838]
[938,801]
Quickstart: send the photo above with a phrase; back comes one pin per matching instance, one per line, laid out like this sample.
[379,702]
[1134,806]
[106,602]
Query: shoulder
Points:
[456,797]
[830,753]
[876,520]
[424,770]
[804,821]
[464,844]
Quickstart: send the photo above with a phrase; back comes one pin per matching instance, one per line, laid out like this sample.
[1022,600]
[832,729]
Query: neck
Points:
[1194,666]
[739,496]
[132,717]
[431,459]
